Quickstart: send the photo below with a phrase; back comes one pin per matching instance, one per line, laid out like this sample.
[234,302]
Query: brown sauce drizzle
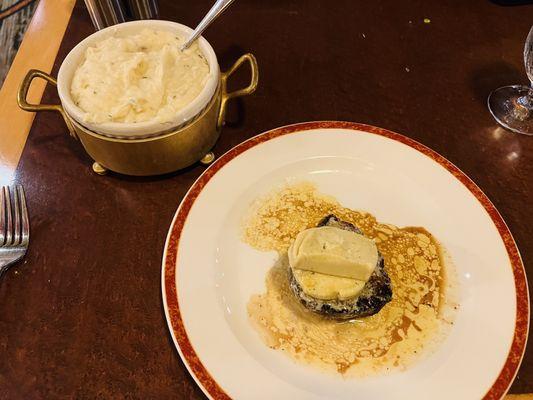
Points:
[391,339]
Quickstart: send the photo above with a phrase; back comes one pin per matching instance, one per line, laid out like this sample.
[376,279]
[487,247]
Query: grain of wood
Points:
[37,50]
[45,33]
[12,29]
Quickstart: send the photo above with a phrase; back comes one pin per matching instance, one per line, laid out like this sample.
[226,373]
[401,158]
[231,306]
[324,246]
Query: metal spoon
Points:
[218,8]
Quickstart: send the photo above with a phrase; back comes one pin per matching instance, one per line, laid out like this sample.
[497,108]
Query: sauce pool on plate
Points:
[410,325]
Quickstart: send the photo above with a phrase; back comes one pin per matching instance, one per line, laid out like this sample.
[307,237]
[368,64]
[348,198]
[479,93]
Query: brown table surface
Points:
[82,317]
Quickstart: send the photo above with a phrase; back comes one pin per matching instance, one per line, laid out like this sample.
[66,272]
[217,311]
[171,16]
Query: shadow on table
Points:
[154,178]
[492,76]
[511,2]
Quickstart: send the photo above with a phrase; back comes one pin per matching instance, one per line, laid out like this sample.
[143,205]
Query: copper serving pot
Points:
[161,152]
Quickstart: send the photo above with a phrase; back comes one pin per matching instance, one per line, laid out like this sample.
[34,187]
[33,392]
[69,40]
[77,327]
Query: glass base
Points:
[506,106]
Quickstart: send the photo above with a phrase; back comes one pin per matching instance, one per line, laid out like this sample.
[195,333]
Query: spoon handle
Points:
[217,9]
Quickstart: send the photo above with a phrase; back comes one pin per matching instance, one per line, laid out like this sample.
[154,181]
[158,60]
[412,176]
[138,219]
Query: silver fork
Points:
[14,226]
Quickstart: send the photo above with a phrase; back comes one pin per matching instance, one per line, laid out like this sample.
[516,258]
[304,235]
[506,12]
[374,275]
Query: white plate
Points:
[209,274]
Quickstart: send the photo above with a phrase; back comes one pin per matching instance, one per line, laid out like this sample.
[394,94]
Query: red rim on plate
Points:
[176,325]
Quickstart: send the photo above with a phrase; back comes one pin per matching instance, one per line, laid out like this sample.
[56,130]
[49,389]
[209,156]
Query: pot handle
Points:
[237,93]
[23,94]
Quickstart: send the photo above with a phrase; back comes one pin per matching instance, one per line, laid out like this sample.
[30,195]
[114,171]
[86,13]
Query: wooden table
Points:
[81,316]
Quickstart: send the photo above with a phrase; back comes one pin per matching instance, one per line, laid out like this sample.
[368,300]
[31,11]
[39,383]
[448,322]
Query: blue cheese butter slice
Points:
[334,251]
[327,287]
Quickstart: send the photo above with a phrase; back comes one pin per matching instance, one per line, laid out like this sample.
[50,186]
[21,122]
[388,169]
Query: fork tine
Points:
[16,218]
[25,226]
[9,226]
[2,217]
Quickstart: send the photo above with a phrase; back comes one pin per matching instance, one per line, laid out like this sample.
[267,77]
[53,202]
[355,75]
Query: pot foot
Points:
[208,158]
[97,168]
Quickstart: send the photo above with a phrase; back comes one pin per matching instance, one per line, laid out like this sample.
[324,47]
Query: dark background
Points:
[82,316]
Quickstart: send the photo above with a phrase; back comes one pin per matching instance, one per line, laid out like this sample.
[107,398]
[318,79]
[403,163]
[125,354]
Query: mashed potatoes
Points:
[143,77]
